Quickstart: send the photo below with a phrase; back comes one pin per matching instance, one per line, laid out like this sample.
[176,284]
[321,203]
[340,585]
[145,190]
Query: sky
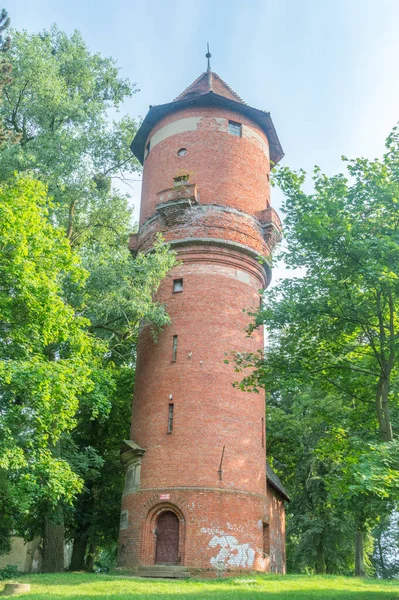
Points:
[326,70]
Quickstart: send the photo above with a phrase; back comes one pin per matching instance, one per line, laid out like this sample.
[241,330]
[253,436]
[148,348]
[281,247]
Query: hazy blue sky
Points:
[326,70]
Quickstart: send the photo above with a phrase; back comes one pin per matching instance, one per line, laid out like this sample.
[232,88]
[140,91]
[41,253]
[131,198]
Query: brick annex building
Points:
[198,496]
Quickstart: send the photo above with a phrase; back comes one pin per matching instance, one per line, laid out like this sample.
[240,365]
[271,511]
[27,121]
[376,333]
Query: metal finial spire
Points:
[208,56]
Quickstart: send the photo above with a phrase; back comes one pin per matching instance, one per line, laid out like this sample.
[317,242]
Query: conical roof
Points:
[208,90]
[209,82]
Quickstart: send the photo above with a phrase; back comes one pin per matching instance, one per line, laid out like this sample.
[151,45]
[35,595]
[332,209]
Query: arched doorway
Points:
[167,539]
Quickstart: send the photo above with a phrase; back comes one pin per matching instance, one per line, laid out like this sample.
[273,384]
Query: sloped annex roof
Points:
[275,482]
[208,90]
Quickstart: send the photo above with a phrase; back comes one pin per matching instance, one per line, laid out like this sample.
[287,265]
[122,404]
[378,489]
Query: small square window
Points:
[235,128]
[177,285]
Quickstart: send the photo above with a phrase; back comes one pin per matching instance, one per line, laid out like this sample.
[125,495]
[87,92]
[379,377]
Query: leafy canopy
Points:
[46,354]
[333,343]
[58,103]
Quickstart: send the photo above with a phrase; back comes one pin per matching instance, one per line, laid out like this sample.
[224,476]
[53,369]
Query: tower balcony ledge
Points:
[271,224]
[173,202]
[205,221]
[186,191]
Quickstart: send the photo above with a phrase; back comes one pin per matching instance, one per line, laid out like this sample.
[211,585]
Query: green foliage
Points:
[106,560]
[119,293]
[4,25]
[95,515]
[386,556]
[46,354]
[119,301]
[8,572]
[70,361]
[319,532]
[5,66]
[331,365]
[341,318]
[57,103]
[7,511]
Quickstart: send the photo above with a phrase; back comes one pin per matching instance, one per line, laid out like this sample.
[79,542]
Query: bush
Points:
[9,572]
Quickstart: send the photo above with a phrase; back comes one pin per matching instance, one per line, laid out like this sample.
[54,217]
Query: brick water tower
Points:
[197,496]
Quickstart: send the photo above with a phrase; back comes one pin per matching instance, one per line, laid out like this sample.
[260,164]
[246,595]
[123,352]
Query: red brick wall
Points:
[215,526]
[209,412]
[228,170]
[277,531]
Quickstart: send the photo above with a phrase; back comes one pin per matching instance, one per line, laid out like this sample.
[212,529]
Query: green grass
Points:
[266,587]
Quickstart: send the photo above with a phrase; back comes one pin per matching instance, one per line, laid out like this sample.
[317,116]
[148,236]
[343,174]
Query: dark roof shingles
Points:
[275,482]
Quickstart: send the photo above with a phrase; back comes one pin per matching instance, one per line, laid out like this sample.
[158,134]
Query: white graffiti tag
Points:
[236,554]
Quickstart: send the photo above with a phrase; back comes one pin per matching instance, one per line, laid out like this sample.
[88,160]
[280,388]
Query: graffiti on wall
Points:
[231,552]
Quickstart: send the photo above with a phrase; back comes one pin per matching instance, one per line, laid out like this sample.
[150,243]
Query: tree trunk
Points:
[359,554]
[381,556]
[91,555]
[79,552]
[53,542]
[71,216]
[320,565]
[382,406]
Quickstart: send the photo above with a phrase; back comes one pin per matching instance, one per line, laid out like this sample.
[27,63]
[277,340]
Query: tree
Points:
[5,66]
[336,327]
[386,556]
[119,301]
[58,104]
[94,521]
[46,354]
[319,531]
[5,503]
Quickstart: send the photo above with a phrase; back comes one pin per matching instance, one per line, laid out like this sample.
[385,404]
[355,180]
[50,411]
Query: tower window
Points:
[177,285]
[263,432]
[170,418]
[235,128]
[182,152]
[174,349]
[266,539]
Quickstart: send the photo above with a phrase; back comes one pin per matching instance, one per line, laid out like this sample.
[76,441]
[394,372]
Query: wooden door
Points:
[167,539]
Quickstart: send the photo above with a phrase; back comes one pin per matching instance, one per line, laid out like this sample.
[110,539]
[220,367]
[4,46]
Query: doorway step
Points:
[164,571]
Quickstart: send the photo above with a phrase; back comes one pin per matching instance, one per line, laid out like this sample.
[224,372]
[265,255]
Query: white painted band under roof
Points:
[191,124]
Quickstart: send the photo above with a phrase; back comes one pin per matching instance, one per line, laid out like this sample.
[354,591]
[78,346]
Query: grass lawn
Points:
[267,587]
